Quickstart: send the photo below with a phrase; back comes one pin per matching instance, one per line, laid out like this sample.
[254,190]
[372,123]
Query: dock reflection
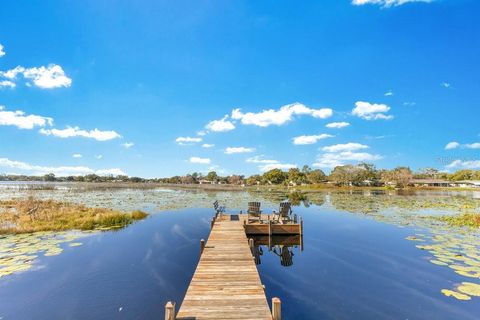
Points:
[281,246]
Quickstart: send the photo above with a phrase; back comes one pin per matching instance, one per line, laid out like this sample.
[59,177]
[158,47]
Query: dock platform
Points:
[226,283]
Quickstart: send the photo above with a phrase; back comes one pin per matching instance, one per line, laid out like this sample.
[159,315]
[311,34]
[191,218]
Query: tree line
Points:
[347,175]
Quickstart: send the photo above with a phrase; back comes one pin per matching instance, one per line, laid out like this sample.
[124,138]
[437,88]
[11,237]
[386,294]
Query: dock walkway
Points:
[226,283]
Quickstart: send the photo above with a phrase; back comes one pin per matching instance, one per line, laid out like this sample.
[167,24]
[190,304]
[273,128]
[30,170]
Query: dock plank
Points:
[226,283]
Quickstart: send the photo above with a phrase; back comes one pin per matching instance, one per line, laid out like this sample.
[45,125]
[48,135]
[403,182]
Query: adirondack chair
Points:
[284,215]
[254,212]
[218,209]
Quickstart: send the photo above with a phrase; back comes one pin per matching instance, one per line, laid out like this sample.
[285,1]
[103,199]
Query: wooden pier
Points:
[226,283]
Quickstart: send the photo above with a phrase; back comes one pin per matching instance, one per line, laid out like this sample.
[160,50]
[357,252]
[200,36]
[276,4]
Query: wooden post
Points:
[301,226]
[276,309]
[212,223]
[295,219]
[251,243]
[202,246]
[170,310]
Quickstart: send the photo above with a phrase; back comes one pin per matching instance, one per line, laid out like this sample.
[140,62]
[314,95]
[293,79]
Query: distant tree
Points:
[296,176]
[212,176]
[464,175]
[275,176]
[235,179]
[49,177]
[347,175]
[188,179]
[254,180]
[400,176]
[306,169]
[316,176]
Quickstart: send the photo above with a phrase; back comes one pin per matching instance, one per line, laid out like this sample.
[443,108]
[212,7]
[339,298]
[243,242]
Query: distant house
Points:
[468,184]
[203,181]
[431,183]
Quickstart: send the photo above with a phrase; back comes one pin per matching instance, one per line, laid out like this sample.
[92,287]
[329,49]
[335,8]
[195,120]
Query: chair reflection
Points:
[282,246]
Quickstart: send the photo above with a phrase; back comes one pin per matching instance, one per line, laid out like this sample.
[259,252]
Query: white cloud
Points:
[271,166]
[187,140]
[351,146]
[389,93]
[301,140]
[369,111]
[76,155]
[26,168]
[232,150]
[208,145]
[22,121]
[330,160]
[98,156]
[452,145]
[459,164]
[128,145]
[475,145]
[49,77]
[281,116]
[2,50]
[260,159]
[386,3]
[338,125]
[222,125]
[446,85]
[201,133]
[199,160]
[71,132]
[7,83]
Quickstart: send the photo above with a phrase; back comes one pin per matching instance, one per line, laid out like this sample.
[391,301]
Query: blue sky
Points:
[159,88]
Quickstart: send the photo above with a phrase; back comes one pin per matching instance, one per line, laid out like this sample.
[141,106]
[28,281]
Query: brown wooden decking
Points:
[226,283]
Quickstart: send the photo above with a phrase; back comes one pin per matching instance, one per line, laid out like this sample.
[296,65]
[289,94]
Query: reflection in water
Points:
[281,246]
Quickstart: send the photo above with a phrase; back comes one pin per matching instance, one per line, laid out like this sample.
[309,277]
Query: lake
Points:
[366,255]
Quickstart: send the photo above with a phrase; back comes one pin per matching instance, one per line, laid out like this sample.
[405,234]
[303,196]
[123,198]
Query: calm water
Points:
[353,266]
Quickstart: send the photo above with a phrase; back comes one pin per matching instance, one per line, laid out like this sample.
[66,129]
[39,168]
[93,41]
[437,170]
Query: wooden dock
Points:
[226,283]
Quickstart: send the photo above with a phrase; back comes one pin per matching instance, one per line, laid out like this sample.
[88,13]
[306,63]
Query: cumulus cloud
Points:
[7,84]
[26,168]
[369,111]
[301,140]
[340,154]
[351,146]
[278,165]
[459,164]
[446,85]
[389,93]
[386,3]
[337,125]
[281,116]
[208,145]
[200,160]
[71,132]
[76,155]
[98,156]
[128,145]
[222,125]
[261,160]
[452,145]
[232,150]
[187,140]
[2,51]
[455,145]
[49,77]
[22,121]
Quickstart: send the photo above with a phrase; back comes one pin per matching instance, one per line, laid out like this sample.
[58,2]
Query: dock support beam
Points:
[202,246]
[276,309]
[170,310]
[251,244]
[212,223]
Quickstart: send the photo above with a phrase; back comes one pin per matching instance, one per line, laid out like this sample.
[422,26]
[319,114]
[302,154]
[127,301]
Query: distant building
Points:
[468,183]
[431,183]
[203,181]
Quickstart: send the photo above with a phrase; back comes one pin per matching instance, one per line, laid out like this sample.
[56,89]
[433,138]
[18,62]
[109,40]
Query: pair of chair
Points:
[218,208]
[284,215]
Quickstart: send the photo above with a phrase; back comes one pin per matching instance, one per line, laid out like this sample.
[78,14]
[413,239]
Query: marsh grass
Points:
[32,215]
[463,220]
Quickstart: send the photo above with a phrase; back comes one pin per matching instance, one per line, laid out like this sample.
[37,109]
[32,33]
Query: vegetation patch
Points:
[33,215]
[463,220]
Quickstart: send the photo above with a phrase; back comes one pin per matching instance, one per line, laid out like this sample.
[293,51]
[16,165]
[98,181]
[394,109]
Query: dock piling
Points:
[276,309]
[212,223]
[202,246]
[251,243]
[170,310]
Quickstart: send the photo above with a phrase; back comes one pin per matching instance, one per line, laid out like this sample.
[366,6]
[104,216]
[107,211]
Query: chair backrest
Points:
[285,209]
[254,207]
[215,204]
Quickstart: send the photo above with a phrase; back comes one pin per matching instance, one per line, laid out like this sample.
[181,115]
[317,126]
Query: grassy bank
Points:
[32,215]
